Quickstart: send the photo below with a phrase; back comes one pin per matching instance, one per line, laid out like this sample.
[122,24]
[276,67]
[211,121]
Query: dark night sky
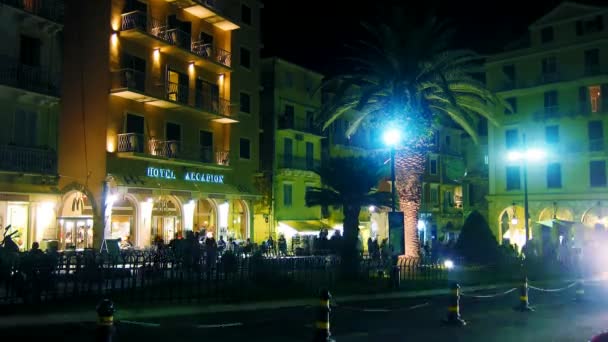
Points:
[313,32]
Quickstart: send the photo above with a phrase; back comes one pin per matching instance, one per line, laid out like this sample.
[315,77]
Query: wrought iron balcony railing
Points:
[161,30]
[134,142]
[49,9]
[28,160]
[16,74]
[129,79]
[177,92]
[211,103]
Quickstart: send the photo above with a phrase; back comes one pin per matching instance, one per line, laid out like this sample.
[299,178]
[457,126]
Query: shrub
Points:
[476,242]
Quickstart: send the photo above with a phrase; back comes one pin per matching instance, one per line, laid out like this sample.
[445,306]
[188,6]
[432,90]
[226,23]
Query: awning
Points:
[305,225]
[556,222]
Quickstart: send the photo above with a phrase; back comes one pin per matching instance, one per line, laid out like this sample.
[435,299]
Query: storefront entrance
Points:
[123,222]
[16,215]
[205,216]
[166,219]
[76,222]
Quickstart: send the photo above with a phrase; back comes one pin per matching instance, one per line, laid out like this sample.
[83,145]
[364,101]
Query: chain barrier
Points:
[488,296]
[553,290]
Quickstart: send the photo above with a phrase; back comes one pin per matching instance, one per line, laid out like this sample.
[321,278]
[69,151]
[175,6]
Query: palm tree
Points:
[406,75]
[349,183]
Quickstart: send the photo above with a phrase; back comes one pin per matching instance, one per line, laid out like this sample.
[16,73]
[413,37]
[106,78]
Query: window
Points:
[434,195]
[592,61]
[511,139]
[310,120]
[245,58]
[512,101]
[177,86]
[594,98]
[173,131]
[310,156]
[245,148]
[513,179]
[206,142]
[245,103]
[595,131]
[24,128]
[29,53]
[433,166]
[589,26]
[554,175]
[546,35]
[134,72]
[597,173]
[246,14]
[287,194]
[133,141]
[287,152]
[448,140]
[288,79]
[289,111]
[550,98]
[552,134]
[549,69]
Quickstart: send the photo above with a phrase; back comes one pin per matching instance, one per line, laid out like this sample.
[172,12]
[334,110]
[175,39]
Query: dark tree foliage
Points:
[476,243]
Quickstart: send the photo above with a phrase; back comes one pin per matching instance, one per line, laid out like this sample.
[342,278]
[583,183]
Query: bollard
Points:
[453,317]
[322,332]
[524,304]
[105,321]
[579,294]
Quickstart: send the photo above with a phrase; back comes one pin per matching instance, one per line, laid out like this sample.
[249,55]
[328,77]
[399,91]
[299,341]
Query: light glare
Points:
[392,137]
[449,264]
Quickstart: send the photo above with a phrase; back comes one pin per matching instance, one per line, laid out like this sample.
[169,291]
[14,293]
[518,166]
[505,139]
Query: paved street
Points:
[557,318]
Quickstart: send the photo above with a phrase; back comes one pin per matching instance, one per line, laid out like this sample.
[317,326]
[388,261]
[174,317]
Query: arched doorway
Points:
[205,216]
[512,226]
[166,218]
[123,224]
[76,222]
[233,219]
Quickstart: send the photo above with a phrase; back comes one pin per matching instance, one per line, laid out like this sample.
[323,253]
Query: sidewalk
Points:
[157,311]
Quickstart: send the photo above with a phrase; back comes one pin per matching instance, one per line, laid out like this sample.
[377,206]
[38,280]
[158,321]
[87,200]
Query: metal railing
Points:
[298,163]
[222,158]
[26,159]
[16,74]
[208,102]
[160,29]
[176,92]
[128,78]
[164,148]
[53,10]
[289,122]
[131,142]
[549,77]
[208,51]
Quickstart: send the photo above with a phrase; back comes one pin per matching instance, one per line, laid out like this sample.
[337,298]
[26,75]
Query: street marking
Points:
[376,310]
[225,325]
[144,324]
[419,306]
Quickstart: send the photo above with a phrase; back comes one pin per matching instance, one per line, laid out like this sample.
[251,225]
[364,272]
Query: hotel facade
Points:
[158,132]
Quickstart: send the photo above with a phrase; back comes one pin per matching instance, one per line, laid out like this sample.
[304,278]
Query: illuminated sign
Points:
[155,172]
[204,177]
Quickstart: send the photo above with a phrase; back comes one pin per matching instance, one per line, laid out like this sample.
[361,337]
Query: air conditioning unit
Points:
[299,137]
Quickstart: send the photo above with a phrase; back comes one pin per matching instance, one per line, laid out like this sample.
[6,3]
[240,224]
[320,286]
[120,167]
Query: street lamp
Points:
[532,154]
[391,138]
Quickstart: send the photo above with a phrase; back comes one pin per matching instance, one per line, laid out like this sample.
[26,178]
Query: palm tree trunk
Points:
[409,166]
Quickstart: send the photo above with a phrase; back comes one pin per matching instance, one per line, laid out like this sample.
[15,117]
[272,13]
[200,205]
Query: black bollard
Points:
[105,321]
[524,304]
[453,317]
[322,332]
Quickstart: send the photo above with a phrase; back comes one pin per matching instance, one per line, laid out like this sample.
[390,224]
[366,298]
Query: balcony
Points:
[155,33]
[52,10]
[289,122]
[131,84]
[298,163]
[550,77]
[136,145]
[15,74]
[28,160]
[210,11]
[547,113]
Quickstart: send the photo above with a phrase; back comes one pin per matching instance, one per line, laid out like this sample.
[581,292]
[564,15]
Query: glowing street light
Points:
[391,138]
[525,156]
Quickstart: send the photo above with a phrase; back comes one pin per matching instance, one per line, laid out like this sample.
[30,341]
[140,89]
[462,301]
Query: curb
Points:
[184,310]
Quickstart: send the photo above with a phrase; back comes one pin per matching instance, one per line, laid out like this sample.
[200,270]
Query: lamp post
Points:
[391,139]
[525,156]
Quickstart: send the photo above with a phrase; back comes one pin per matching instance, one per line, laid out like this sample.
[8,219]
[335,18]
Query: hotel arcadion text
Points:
[155,136]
